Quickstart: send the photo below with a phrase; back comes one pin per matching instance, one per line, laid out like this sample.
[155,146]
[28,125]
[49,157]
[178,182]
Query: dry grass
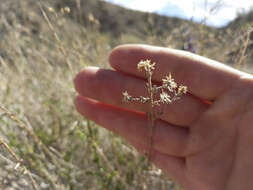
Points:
[41,134]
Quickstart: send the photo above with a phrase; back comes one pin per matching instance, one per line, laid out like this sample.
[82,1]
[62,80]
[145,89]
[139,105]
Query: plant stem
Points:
[151,115]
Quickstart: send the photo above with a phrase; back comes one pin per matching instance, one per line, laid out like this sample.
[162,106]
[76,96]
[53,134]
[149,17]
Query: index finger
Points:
[205,78]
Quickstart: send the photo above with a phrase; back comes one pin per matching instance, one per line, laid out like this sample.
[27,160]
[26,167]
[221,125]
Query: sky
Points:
[197,10]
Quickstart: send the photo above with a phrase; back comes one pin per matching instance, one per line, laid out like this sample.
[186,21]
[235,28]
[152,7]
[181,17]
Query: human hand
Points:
[204,141]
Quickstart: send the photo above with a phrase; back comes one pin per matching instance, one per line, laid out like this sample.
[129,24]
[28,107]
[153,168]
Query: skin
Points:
[204,141]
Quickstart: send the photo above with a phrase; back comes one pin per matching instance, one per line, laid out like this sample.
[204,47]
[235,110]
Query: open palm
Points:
[204,141]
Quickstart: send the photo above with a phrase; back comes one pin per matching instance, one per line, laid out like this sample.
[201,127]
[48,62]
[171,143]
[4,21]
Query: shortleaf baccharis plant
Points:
[167,93]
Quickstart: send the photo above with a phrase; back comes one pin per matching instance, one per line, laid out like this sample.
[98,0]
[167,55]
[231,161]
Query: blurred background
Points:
[44,142]
[217,13]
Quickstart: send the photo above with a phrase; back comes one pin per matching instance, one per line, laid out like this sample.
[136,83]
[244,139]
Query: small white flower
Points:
[125,93]
[182,90]
[170,83]
[126,96]
[165,98]
[146,65]
[167,79]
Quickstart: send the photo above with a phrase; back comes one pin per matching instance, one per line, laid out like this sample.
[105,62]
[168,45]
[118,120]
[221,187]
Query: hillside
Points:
[117,20]
[241,20]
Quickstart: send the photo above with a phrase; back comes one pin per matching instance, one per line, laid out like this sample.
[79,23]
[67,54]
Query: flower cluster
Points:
[167,93]
[169,90]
